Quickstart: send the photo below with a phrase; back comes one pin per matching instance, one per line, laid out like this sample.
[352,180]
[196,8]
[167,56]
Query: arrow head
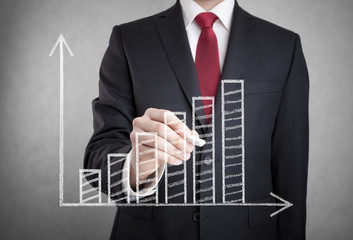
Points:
[62,42]
[284,203]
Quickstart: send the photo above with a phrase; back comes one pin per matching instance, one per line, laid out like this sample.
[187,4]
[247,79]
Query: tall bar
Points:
[233,151]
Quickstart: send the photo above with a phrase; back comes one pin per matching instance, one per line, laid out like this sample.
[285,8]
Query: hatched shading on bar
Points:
[175,175]
[90,189]
[204,180]
[116,192]
[233,185]
[144,141]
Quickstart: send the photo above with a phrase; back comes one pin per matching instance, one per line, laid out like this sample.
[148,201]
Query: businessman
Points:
[156,65]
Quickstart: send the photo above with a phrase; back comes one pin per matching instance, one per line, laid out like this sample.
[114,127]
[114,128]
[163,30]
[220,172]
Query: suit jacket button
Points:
[196,216]
[207,160]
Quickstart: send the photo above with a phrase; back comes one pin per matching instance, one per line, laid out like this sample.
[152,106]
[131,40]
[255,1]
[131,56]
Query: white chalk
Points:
[196,141]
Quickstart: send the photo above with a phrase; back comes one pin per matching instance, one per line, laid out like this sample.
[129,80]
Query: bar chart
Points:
[175,176]
[203,180]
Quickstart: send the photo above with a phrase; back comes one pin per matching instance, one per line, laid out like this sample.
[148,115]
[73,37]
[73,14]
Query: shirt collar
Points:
[191,9]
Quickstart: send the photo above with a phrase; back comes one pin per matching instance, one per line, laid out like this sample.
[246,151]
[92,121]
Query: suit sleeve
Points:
[113,110]
[290,146]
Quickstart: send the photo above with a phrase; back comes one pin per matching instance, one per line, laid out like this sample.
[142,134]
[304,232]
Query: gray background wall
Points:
[29,103]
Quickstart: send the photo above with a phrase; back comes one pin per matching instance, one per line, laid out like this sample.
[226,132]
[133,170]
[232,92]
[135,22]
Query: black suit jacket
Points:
[149,64]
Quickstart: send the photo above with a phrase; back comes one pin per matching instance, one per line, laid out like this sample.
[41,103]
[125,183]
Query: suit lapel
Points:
[241,41]
[172,32]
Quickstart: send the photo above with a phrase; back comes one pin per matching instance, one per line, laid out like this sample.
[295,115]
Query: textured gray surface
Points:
[29,103]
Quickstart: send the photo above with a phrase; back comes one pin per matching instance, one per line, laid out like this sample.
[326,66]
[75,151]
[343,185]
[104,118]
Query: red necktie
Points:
[207,59]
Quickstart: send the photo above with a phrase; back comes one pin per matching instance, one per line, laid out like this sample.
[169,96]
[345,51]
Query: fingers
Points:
[155,141]
[169,148]
[170,140]
[194,134]
[169,118]
[147,158]
[168,134]
[147,164]
[168,145]
[145,124]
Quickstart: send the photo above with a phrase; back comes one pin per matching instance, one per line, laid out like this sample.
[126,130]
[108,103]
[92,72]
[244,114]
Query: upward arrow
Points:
[61,42]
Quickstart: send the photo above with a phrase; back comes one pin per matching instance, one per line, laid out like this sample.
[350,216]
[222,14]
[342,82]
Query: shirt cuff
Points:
[144,190]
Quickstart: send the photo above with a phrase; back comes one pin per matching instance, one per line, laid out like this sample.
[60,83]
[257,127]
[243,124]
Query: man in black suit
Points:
[151,66]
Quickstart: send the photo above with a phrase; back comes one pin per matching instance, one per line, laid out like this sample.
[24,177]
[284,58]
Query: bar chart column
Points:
[89,194]
[175,175]
[233,169]
[116,193]
[204,177]
[142,139]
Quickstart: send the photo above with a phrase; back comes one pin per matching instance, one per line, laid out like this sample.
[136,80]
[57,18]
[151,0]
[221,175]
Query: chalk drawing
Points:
[61,42]
[232,120]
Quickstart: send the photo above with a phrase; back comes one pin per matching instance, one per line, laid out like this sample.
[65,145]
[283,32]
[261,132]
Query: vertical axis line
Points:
[61,127]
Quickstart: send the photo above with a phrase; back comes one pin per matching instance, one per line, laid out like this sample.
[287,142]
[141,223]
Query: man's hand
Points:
[174,142]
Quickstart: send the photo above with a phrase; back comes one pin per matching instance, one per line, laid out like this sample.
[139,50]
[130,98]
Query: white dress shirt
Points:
[221,27]
[224,12]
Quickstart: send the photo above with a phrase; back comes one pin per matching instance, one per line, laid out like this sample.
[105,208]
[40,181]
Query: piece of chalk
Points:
[196,141]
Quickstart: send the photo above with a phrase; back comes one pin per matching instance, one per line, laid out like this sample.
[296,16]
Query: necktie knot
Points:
[206,19]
